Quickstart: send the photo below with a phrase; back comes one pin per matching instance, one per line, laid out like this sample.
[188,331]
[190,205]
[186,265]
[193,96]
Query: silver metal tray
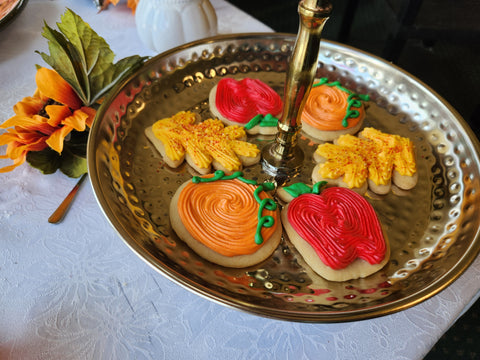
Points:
[433,229]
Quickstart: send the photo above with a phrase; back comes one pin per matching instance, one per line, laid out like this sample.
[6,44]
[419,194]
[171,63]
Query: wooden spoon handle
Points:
[62,209]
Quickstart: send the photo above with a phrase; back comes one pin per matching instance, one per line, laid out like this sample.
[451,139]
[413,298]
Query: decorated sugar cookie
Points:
[373,160]
[402,151]
[227,219]
[248,102]
[337,232]
[332,110]
[203,145]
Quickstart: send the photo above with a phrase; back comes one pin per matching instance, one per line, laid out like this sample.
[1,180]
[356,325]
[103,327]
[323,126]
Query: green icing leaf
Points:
[269,121]
[264,121]
[298,189]
[84,59]
[254,121]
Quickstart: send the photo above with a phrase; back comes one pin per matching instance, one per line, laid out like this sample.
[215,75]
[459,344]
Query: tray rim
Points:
[299,316]
[13,13]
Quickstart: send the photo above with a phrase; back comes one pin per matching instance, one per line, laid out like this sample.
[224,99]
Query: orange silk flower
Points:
[132,4]
[44,119]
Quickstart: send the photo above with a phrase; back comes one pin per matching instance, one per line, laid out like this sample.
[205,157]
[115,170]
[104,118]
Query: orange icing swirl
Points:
[326,108]
[222,215]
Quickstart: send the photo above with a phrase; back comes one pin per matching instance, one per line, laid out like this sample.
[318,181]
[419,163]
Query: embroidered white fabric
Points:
[76,291]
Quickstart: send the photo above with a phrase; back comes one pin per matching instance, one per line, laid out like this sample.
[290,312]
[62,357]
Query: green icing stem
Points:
[267,220]
[220,175]
[267,203]
[317,186]
[353,100]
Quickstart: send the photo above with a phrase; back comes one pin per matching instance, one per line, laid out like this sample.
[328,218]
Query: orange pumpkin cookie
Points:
[227,219]
[332,110]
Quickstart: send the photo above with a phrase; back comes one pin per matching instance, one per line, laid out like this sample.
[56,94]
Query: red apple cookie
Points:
[337,232]
[238,102]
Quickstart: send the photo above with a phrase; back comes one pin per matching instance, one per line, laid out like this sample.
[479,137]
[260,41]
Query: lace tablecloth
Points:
[75,291]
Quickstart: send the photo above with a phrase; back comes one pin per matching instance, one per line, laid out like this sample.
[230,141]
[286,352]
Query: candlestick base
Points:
[283,159]
[280,166]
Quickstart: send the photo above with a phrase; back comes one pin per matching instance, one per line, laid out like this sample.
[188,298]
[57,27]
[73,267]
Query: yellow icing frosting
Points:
[243,148]
[401,147]
[378,159]
[374,157]
[204,142]
[169,132]
[342,161]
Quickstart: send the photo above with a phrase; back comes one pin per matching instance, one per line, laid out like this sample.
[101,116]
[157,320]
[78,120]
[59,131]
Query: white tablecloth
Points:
[75,291]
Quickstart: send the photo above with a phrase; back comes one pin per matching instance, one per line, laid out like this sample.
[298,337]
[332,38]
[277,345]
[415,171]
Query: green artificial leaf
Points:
[62,60]
[84,59]
[73,165]
[103,82]
[90,46]
[77,143]
[47,161]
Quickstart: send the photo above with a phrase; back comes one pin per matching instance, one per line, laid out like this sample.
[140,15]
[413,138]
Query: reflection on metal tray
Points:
[432,229]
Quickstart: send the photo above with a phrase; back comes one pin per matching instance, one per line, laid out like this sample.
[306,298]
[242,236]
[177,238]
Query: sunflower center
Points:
[43,112]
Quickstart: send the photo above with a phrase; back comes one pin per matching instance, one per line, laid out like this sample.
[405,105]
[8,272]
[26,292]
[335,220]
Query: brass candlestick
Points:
[282,158]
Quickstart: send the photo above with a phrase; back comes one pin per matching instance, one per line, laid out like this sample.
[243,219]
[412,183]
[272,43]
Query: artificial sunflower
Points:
[50,128]
[44,119]
[103,4]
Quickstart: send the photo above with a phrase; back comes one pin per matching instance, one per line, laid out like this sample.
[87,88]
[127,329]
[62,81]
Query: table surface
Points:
[75,290]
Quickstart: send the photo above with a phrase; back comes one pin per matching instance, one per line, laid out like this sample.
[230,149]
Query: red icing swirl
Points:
[240,101]
[340,225]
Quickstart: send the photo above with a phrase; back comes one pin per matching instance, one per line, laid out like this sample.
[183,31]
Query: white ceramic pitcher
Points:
[164,24]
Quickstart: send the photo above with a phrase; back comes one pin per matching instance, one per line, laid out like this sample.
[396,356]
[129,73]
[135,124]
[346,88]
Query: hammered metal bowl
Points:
[433,229]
